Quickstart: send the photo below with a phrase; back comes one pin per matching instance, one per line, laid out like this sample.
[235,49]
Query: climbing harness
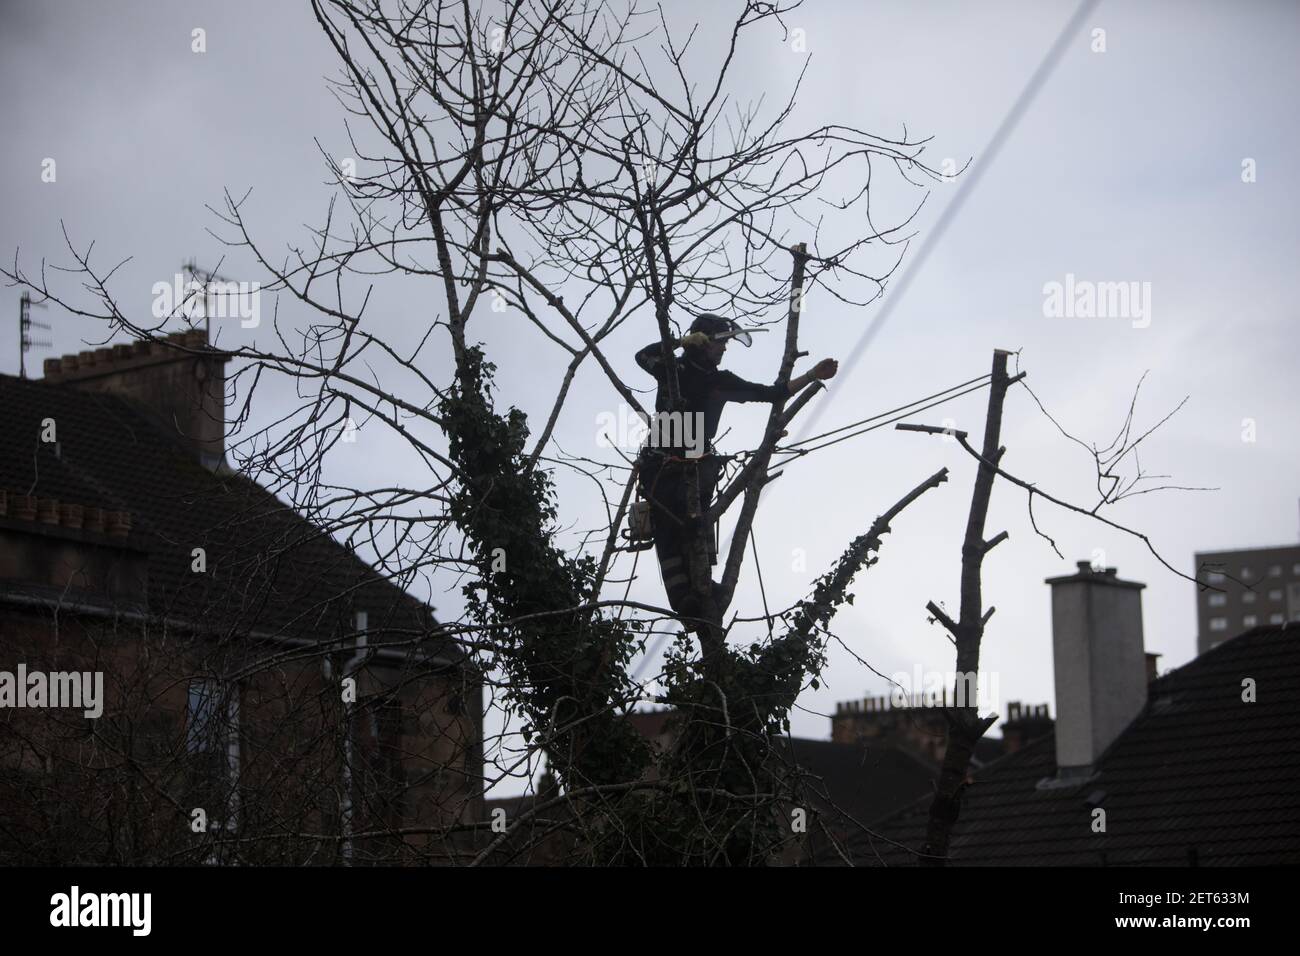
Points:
[639,534]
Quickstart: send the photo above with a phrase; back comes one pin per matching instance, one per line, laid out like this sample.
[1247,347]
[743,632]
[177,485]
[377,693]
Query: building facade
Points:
[248,690]
[1259,587]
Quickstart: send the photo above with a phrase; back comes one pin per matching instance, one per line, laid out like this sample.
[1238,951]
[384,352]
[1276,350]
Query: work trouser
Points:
[663,483]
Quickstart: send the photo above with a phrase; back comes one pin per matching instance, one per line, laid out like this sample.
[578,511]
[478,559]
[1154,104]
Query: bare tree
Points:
[965,724]
[577,168]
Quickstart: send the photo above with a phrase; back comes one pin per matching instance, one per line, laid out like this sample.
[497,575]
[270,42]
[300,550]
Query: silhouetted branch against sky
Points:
[449,227]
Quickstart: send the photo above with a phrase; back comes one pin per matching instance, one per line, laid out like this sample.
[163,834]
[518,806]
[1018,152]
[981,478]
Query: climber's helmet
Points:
[719,329]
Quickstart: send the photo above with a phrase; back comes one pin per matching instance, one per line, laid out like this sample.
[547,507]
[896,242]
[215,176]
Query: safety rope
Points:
[758,566]
[833,431]
[795,451]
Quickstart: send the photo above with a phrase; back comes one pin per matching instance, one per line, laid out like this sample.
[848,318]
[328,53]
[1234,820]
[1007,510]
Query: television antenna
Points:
[207,278]
[25,325]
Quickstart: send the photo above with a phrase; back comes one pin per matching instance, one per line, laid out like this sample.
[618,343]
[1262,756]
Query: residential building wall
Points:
[1259,586]
[266,766]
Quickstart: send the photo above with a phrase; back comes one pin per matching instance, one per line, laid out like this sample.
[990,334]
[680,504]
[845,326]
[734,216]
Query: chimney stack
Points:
[1100,663]
[179,381]
[1153,666]
[1024,723]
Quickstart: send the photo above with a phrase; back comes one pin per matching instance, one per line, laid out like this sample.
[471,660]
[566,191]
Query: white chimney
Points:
[1100,663]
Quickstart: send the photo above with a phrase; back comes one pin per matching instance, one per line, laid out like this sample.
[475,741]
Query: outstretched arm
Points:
[823,370]
[735,389]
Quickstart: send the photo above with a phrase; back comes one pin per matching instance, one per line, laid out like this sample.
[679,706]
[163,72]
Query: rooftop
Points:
[269,569]
[1200,777]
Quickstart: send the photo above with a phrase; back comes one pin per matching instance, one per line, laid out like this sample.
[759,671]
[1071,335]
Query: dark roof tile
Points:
[1198,769]
[270,570]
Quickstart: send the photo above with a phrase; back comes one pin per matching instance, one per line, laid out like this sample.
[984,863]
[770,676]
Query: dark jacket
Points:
[704,387]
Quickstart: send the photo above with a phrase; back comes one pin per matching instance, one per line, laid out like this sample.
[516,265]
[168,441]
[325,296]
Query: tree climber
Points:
[670,451]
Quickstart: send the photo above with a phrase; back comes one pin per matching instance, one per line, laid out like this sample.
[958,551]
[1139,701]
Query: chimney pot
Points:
[94,519]
[1085,567]
[23,507]
[118,523]
[1152,666]
[72,516]
[103,356]
[53,366]
[121,352]
[47,511]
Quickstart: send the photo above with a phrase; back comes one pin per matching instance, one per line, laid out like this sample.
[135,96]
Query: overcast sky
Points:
[1126,168]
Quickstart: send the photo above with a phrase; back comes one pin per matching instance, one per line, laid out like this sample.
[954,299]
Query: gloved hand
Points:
[695,340]
[825,369]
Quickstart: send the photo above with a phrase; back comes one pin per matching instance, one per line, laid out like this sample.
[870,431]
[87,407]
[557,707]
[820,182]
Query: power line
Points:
[795,452]
[1009,122]
[1036,80]
[805,441]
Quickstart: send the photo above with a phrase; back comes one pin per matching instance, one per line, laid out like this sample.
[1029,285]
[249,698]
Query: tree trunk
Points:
[965,726]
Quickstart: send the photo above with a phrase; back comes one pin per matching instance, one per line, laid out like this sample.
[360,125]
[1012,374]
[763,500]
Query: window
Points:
[212,741]
[202,729]
[1275,571]
[1216,577]
[1218,600]
[1249,621]
[1248,597]
[212,719]
[1276,619]
[1295,569]
[1275,594]
[1218,623]
[1247,573]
